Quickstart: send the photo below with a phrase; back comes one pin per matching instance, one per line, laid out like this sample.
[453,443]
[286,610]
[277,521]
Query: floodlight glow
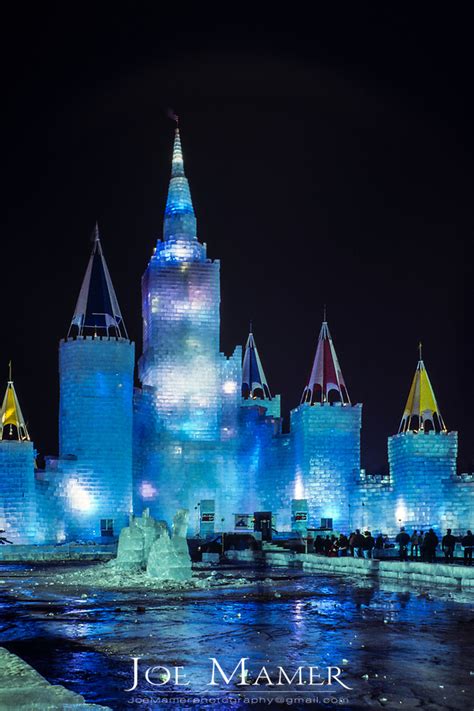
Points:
[79,498]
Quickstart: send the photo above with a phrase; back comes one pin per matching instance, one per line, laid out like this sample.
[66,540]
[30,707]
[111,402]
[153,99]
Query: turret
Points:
[422,458]
[17,476]
[326,434]
[96,363]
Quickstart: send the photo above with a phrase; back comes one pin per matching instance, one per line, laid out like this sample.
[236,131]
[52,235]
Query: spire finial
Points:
[324,314]
[250,326]
[10,379]
[420,350]
[96,236]
[174,117]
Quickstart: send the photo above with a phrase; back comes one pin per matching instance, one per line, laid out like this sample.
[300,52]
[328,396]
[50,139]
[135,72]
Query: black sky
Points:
[330,161]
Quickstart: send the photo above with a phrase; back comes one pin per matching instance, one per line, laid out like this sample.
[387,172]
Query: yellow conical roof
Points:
[11,415]
[421,407]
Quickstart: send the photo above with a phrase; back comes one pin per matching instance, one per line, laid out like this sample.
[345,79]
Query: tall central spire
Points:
[326,383]
[180,220]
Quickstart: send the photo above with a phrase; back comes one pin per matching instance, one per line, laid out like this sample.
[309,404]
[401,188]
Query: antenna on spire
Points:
[174,117]
[324,313]
[250,327]
[10,372]
[95,234]
[420,350]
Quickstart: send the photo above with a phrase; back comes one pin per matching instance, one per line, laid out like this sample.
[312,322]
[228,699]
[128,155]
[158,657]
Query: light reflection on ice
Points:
[391,638]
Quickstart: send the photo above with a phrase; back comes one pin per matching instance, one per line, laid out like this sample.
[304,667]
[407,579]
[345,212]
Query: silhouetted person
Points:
[447,544]
[421,541]
[430,542]
[351,539]
[332,553]
[368,545]
[403,539]
[342,546]
[468,545]
[327,545]
[357,543]
[415,545]
[379,545]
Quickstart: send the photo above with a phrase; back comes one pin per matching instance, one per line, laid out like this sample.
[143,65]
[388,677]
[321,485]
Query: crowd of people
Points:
[420,545]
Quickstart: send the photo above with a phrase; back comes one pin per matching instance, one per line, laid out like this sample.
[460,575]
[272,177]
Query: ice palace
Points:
[204,431]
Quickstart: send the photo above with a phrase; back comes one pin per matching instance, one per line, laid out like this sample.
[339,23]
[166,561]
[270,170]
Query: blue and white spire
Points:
[180,220]
[254,382]
[97,310]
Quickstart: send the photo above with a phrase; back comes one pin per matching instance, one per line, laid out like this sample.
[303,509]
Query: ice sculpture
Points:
[169,558]
[147,544]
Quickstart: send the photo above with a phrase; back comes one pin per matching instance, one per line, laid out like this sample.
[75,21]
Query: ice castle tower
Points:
[186,411]
[422,458]
[326,440]
[96,364]
[17,467]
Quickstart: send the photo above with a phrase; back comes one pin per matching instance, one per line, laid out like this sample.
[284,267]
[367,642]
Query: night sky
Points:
[330,161]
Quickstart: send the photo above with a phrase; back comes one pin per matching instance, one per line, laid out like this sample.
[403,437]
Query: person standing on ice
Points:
[415,545]
[468,545]
[448,542]
[403,539]
[369,544]
[430,542]
[357,543]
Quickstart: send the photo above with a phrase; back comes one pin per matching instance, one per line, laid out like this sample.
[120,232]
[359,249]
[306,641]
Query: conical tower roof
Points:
[254,382]
[97,311]
[326,383]
[421,411]
[180,220]
[11,416]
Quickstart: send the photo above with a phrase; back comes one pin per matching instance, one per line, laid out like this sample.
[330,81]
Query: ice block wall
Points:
[423,470]
[17,491]
[95,433]
[181,297]
[373,504]
[327,459]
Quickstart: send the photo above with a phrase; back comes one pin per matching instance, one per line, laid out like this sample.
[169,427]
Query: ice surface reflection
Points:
[392,644]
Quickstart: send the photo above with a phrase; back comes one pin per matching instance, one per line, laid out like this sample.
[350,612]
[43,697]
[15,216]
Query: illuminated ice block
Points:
[423,470]
[95,434]
[17,491]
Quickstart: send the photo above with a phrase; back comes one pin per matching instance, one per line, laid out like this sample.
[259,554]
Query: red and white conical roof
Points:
[326,382]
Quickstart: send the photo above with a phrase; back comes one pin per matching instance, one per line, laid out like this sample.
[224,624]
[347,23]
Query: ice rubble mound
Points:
[148,544]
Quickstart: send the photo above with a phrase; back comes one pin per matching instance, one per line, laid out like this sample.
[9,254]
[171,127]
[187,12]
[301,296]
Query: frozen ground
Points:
[399,649]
